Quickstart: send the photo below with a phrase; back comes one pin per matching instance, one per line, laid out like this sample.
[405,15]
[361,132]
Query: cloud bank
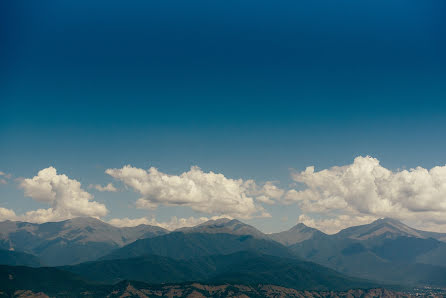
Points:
[65,196]
[209,193]
[360,192]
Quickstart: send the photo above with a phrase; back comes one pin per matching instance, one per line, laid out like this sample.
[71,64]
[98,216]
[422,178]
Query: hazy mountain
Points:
[179,245]
[17,258]
[296,234]
[70,241]
[385,250]
[224,226]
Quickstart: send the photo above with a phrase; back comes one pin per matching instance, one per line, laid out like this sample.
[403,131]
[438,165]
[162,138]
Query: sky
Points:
[330,113]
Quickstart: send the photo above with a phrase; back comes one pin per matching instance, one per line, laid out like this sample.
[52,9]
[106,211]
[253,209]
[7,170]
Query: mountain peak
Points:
[84,220]
[383,227]
[219,221]
[387,220]
[300,227]
[224,226]
[296,234]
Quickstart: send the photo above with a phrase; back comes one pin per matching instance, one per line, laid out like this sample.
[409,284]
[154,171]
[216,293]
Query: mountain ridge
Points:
[69,241]
[298,233]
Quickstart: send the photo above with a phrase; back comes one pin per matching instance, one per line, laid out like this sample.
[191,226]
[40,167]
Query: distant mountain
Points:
[385,250]
[225,226]
[70,241]
[179,245]
[17,258]
[245,267]
[296,234]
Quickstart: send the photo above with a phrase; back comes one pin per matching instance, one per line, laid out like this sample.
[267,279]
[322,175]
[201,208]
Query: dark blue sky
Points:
[249,89]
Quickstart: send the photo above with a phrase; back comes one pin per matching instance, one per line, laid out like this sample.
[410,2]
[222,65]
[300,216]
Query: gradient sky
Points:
[249,89]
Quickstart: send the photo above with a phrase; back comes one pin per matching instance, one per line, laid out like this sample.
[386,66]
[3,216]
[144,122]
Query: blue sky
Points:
[248,89]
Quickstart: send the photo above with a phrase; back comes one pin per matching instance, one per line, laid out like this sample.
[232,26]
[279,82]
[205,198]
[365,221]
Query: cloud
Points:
[4,177]
[364,190]
[7,214]
[65,196]
[7,176]
[173,224]
[209,193]
[109,187]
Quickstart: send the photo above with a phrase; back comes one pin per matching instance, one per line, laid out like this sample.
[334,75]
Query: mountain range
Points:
[71,241]
[385,250]
[92,254]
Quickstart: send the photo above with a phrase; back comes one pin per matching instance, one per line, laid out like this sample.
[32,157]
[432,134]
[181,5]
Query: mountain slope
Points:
[244,267]
[70,241]
[296,234]
[16,258]
[52,281]
[180,245]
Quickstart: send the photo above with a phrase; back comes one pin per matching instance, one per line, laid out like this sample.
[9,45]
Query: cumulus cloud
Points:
[209,193]
[364,190]
[65,196]
[173,224]
[109,187]
[7,214]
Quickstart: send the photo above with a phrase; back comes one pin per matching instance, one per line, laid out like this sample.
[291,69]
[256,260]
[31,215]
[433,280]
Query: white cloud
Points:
[364,190]
[173,224]
[209,193]
[65,196]
[268,193]
[109,187]
[7,214]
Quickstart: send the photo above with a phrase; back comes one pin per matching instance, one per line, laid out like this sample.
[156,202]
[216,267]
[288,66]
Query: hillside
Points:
[17,258]
[180,245]
[241,267]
